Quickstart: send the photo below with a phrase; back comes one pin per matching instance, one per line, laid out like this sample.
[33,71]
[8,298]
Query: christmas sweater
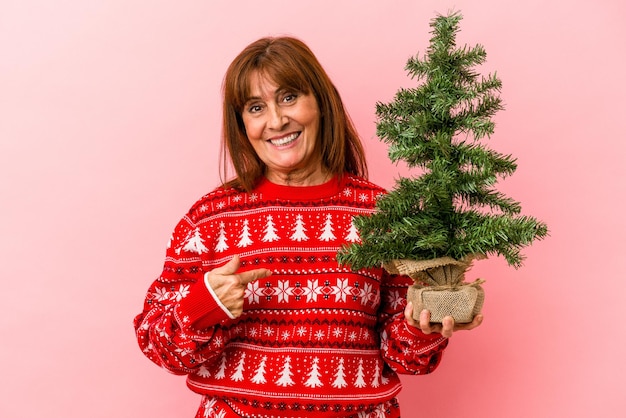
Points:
[315,338]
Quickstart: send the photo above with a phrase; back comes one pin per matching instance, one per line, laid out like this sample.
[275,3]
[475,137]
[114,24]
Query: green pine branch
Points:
[452,208]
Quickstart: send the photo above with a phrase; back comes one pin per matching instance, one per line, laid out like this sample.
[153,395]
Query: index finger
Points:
[252,275]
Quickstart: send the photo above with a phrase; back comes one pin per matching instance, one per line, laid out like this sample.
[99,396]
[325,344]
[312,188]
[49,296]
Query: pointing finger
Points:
[252,275]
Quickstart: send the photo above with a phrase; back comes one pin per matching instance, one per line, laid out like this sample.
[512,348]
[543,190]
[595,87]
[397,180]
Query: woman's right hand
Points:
[230,286]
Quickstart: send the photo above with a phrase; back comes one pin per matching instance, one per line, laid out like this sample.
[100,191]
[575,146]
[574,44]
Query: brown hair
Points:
[292,65]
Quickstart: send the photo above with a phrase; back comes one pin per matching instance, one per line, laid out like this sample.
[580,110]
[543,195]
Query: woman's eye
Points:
[289,97]
[254,109]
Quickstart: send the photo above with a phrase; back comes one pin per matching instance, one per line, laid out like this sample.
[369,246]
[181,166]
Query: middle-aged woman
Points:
[251,304]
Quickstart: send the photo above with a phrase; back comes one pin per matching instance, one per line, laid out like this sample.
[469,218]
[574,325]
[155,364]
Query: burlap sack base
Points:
[462,303]
[440,287]
[442,271]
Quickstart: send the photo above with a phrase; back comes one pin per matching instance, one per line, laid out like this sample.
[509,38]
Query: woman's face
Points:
[283,128]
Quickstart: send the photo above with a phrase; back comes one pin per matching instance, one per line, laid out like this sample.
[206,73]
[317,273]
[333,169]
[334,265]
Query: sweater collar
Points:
[273,191]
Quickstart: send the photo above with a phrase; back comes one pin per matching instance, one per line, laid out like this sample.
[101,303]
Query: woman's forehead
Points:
[261,84]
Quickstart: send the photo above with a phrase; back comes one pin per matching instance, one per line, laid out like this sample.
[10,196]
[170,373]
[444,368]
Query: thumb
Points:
[229,268]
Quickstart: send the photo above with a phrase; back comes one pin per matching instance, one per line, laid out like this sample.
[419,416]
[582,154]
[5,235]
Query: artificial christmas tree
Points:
[432,226]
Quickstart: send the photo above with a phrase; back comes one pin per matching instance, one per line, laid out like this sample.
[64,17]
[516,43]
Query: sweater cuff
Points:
[201,309]
[416,332]
[215,298]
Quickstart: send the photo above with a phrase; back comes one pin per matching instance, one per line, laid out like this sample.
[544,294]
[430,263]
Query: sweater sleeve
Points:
[406,349]
[181,326]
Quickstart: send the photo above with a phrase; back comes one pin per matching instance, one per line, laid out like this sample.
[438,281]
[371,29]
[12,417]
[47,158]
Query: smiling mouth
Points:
[286,140]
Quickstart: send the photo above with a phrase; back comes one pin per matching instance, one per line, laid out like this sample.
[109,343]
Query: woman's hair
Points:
[289,63]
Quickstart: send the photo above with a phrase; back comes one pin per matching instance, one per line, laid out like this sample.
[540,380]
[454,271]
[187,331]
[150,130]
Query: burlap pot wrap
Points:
[439,287]
[460,302]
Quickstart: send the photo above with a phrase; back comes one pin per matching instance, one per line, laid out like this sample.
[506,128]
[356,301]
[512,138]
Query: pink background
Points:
[109,127]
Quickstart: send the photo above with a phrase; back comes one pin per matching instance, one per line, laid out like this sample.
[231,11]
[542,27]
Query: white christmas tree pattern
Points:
[221,372]
[221,239]
[314,375]
[270,230]
[286,374]
[195,243]
[375,383]
[353,233]
[340,381]
[360,381]
[203,372]
[283,375]
[238,375]
[299,230]
[327,230]
[259,377]
[244,237]
[270,233]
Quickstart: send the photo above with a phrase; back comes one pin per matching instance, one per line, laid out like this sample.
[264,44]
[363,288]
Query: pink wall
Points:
[109,126]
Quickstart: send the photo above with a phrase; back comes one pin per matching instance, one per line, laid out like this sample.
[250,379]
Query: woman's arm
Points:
[182,325]
[405,348]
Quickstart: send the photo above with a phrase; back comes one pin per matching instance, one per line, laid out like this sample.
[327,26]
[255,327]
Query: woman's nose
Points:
[277,119]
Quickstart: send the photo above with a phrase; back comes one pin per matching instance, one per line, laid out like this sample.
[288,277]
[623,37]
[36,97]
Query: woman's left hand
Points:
[446,328]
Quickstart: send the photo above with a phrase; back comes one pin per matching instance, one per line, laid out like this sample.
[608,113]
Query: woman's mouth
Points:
[285,140]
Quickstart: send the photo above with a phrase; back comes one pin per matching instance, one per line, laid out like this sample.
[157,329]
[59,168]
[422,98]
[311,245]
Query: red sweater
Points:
[315,338]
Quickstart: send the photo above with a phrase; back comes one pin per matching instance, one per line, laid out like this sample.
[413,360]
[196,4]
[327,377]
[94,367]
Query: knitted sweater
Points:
[315,338]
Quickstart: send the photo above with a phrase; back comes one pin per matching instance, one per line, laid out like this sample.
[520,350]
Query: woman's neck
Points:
[300,178]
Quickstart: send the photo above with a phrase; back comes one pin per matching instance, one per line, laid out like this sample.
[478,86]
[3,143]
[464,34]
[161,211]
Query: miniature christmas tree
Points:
[433,225]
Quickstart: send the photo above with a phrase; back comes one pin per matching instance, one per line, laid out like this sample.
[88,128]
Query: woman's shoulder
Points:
[357,182]
[216,201]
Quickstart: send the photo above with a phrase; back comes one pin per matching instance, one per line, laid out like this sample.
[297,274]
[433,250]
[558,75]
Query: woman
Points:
[251,303]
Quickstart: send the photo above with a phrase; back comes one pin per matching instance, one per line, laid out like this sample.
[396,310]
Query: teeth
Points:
[285,140]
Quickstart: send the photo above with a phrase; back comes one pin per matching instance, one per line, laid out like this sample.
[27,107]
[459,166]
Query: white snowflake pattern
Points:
[384,341]
[366,293]
[319,334]
[363,197]
[342,290]
[311,290]
[337,332]
[184,352]
[162,333]
[161,294]
[395,299]
[347,192]
[286,335]
[218,341]
[301,331]
[237,198]
[254,197]
[379,412]
[366,335]
[182,292]
[204,207]
[253,292]
[352,336]
[268,331]
[221,205]
[283,291]
[208,407]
